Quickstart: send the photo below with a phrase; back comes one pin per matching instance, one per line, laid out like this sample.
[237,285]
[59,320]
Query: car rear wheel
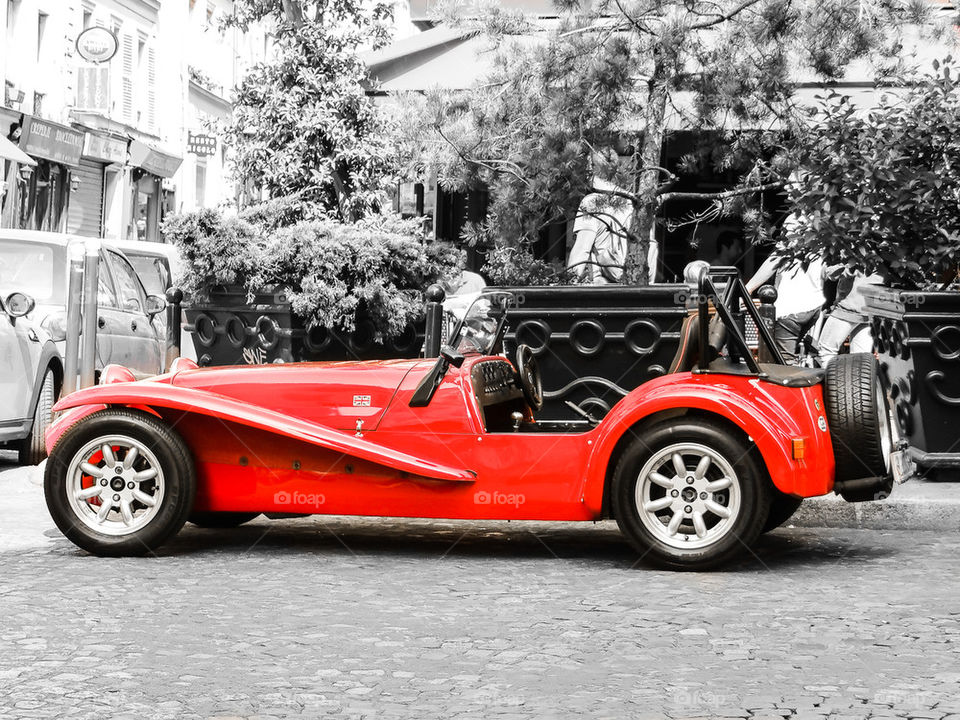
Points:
[689,494]
[32,449]
[119,482]
[221,520]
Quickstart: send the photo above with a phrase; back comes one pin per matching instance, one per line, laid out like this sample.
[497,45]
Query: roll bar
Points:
[734,292]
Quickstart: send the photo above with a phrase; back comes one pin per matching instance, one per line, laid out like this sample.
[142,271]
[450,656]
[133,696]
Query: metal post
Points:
[768,314]
[91,276]
[71,353]
[434,326]
[174,300]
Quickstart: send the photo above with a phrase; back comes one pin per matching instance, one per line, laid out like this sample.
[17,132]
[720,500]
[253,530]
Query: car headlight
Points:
[56,326]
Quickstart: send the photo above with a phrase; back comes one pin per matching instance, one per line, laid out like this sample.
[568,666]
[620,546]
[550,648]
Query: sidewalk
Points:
[915,505]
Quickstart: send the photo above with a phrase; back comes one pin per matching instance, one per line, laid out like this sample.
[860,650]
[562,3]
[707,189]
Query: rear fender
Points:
[772,416]
[200,402]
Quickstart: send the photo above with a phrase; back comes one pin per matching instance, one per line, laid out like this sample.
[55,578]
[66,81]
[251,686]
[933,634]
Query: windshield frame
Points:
[492,305]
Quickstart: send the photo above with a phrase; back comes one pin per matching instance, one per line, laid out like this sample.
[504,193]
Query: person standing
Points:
[601,231]
[799,299]
[847,318]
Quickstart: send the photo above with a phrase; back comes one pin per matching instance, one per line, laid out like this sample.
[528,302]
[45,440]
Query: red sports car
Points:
[693,465]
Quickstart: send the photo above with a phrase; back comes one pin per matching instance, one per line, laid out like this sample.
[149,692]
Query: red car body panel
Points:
[285,439]
[162,396]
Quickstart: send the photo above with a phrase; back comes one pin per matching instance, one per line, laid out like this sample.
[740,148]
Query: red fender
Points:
[771,415]
[202,402]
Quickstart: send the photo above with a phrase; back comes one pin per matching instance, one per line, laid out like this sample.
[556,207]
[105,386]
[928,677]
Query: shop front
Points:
[101,162]
[12,162]
[43,192]
[147,195]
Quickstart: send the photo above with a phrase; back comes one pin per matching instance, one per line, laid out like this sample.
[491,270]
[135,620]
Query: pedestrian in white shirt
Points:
[799,299]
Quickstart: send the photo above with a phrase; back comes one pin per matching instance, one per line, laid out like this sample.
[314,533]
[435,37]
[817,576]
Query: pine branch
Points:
[750,190]
[721,18]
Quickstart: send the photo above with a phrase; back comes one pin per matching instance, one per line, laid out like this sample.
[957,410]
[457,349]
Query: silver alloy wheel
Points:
[688,496]
[127,488]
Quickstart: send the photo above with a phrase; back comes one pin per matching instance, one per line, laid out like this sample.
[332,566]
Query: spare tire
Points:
[856,410]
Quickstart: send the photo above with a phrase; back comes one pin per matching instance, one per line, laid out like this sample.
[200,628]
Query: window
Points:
[38,104]
[41,32]
[87,18]
[31,268]
[201,185]
[152,271]
[128,285]
[11,15]
[106,297]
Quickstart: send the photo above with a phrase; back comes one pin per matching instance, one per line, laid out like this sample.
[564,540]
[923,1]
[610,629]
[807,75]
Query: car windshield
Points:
[477,332]
[33,268]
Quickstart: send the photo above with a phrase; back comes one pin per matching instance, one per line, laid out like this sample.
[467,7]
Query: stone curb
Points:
[915,505]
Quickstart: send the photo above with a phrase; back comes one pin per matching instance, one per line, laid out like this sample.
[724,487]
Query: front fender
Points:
[147,394]
[771,415]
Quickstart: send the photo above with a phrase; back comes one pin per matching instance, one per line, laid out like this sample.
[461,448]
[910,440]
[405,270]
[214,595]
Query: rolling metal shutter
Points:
[85,216]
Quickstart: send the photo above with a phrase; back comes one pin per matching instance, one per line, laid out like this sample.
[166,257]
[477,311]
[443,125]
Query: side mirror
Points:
[155,305]
[18,304]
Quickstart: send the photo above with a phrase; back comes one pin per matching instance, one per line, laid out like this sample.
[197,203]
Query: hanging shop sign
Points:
[105,148]
[51,141]
[201,145]
[153,160]
[97,45]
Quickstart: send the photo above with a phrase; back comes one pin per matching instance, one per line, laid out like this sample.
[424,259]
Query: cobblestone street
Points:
[384,618]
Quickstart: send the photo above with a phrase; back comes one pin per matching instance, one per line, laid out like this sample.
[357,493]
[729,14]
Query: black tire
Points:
[857,416]
[32,449]
[749,479]
[782,508]
[173,457]
[221,520]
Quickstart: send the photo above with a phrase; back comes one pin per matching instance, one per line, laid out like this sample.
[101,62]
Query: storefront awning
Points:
[9,151]
[153,160]
[51,141]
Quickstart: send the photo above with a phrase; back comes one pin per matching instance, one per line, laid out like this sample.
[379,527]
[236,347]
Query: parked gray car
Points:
[33,271]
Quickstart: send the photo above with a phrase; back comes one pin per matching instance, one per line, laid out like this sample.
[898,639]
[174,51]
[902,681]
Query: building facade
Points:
[117,144]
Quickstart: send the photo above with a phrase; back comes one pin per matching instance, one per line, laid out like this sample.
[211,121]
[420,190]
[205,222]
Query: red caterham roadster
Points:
[693,465]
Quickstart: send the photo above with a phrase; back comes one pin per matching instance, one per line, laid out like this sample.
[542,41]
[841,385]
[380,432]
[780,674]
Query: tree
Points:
[302,122]
[555,114]
[880,191]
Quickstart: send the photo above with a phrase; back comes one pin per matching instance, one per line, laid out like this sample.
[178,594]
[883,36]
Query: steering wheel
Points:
[529,371]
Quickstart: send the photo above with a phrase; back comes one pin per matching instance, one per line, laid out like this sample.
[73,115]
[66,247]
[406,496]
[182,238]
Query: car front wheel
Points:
[119,482]
[689,494]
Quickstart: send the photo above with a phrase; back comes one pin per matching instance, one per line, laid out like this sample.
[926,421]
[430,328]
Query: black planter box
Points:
[917,339]
[228,330]
[596,343]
